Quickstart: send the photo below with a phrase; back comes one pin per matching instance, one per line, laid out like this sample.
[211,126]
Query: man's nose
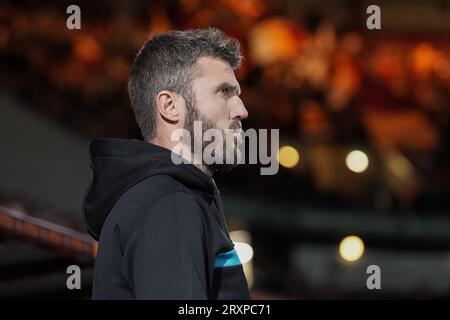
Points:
[238,111]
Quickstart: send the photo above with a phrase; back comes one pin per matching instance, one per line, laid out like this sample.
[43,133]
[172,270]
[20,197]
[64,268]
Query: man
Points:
[160,225]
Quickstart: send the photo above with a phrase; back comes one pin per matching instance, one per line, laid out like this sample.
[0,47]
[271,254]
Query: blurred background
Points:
[364,140]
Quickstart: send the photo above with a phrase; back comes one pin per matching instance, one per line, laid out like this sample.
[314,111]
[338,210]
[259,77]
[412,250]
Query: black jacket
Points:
[160,226]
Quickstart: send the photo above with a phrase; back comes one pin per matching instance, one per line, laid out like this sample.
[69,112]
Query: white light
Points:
[244,251]
[357,161]
[351,248]
[242,244]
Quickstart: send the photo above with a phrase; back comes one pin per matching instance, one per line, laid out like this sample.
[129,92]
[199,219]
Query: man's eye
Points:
[225,90]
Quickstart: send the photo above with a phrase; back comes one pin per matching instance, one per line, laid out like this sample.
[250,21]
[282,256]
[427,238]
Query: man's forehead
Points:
[217,68]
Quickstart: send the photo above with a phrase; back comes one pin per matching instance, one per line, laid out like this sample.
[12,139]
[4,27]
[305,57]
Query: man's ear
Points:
[167,106]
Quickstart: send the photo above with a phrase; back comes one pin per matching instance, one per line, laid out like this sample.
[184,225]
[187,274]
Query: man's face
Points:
[216,102]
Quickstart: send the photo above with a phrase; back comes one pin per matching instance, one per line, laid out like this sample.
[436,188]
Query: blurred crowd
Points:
[328,91]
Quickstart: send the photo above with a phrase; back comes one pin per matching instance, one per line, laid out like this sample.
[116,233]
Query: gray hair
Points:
[167,62]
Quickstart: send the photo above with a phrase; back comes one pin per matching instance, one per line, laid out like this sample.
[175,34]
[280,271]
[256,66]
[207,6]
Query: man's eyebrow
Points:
[236,88]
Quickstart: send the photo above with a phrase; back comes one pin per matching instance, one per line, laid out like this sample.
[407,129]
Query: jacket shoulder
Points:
[128,212]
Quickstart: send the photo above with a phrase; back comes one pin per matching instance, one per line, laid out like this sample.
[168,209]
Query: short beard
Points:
[192,115]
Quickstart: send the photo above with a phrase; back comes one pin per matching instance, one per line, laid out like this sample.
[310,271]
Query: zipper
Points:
[219,206]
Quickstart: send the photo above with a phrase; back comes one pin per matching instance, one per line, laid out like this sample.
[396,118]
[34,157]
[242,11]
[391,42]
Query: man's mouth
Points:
[236,127]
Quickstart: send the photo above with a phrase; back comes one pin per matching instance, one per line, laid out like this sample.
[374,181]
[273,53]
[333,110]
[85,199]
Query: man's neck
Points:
[183,152]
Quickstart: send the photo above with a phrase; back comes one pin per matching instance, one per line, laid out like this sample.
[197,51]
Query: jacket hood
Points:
[119,164]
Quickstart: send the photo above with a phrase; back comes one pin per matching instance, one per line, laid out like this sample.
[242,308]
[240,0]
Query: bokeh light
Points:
[288,156]
[357,161]
[244,251]
[351,248]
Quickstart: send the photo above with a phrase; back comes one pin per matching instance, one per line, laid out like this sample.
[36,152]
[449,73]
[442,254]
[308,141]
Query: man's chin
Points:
[223,167]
